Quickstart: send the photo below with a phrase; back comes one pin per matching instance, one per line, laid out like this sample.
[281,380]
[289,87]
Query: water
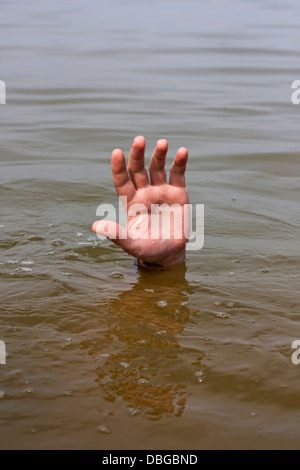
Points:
[100,354]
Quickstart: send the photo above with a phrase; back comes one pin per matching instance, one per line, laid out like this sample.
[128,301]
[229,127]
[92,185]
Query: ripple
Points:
[7,244]
[35,238]
[23,270]
[90,250]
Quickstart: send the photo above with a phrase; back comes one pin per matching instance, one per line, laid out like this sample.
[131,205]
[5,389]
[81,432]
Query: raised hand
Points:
[157,212]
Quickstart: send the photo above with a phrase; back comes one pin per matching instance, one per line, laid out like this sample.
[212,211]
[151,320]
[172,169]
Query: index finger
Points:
[122,182]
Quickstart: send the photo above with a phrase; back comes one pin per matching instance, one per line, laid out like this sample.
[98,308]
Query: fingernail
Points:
[139,138]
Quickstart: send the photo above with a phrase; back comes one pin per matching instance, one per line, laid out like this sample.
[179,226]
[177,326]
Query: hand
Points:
[150,237]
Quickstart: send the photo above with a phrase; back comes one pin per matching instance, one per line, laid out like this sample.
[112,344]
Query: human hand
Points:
[157,212]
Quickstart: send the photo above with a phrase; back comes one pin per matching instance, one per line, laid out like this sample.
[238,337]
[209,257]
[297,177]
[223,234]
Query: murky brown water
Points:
[100,354]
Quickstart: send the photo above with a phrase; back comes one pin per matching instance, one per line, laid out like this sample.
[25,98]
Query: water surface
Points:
[101,354]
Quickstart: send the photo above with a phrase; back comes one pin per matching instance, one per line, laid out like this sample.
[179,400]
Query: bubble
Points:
[30,391]
[72,255]
[229,304]
[27,262]
[116,275]
[79,234]
[104,429]
[218,304]
[206,338]
[162,304]
[124,364]
[2,394]
[133,411]
[57,242]
[200,376]
[149,290]
[91,241]
[221,315]
[143,381]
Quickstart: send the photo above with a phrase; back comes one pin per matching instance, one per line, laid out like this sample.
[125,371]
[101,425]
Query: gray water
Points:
[103,355]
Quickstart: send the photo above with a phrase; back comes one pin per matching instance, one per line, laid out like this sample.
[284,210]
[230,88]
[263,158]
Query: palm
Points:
[157,212]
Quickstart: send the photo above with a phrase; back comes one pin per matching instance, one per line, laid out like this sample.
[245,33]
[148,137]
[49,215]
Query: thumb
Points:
[114,232]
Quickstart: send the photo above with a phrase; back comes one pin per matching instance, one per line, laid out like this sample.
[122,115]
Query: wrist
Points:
[172,260]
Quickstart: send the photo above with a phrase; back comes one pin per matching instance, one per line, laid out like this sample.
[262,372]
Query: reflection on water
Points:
[145,371]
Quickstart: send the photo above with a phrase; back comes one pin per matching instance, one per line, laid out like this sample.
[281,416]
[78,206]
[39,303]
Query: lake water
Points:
[103,355]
